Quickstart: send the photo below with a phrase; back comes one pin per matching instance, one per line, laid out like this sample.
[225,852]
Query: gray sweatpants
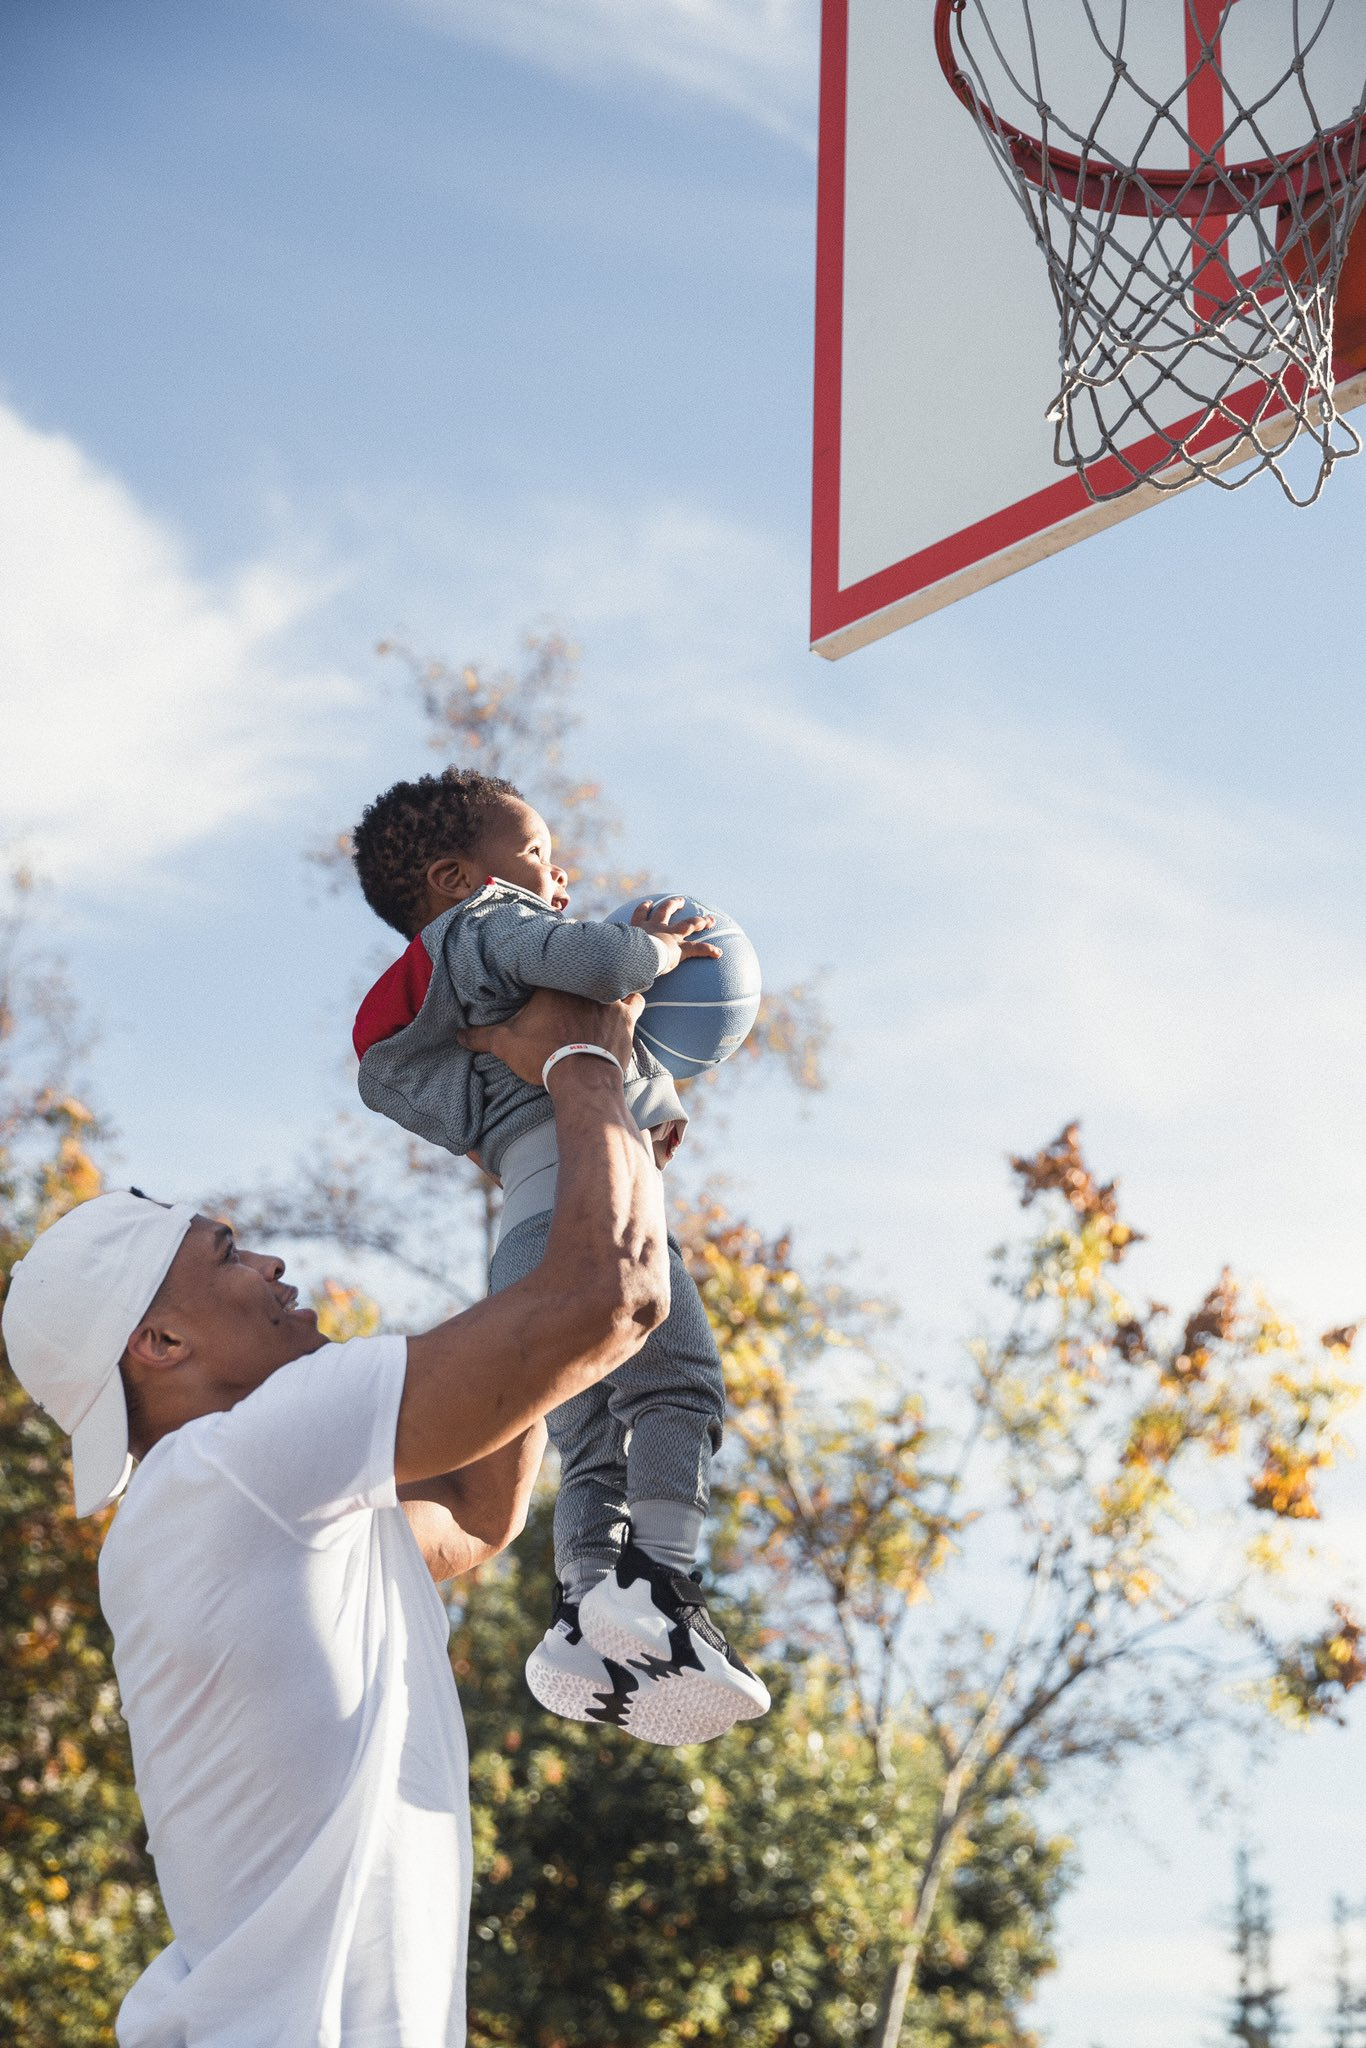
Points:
[647,1432]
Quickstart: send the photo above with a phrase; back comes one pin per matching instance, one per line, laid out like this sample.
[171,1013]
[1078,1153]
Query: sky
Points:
[455,318]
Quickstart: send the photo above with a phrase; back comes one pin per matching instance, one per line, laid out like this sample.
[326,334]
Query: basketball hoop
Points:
[1197,305]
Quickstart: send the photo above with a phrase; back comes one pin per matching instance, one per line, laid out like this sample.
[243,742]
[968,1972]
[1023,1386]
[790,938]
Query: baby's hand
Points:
[675,943]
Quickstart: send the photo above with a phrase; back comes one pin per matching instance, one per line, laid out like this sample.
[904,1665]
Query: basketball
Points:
[696,1017]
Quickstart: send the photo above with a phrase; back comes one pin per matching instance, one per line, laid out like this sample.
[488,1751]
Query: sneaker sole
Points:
[575,1698]
[674,1706]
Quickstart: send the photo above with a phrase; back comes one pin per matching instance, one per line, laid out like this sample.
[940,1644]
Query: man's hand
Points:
[675,941]
[549,1020]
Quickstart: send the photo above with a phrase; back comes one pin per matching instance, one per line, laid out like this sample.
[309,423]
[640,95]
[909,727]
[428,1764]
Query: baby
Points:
[461,866]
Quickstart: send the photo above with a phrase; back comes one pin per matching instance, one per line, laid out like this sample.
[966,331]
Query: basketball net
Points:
[1196,305]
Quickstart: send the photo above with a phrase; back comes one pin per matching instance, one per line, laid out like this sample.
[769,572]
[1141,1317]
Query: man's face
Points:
[233,1308]
[516,848]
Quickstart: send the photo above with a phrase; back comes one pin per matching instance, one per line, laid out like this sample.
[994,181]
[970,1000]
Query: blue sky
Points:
[323,321]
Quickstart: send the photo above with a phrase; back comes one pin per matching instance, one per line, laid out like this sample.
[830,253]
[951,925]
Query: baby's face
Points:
[516,848]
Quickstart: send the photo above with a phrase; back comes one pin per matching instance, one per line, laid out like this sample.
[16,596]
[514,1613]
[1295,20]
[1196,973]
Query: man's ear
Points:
[156,1344]
[453,878]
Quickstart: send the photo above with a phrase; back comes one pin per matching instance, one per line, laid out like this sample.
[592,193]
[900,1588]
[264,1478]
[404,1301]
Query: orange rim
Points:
[1264,182]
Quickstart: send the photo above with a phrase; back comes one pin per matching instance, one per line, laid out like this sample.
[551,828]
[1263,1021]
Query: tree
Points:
[1255,2017]
[1072,1452]
[625,1896]
[80,1907]
[1090,1438]
[630,1897]
[1349,1994]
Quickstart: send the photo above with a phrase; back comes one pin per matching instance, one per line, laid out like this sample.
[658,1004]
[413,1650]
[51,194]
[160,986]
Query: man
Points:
[279,1642]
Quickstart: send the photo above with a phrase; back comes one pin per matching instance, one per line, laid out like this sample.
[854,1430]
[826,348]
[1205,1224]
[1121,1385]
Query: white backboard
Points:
[937,335]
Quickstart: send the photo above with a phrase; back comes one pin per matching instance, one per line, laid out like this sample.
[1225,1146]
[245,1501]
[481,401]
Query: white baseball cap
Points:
[74,1300]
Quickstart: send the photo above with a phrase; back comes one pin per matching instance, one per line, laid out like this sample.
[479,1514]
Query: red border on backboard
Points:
[843,618]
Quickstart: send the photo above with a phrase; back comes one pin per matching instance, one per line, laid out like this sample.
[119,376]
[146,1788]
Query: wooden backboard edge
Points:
[978,575]
[1037,546]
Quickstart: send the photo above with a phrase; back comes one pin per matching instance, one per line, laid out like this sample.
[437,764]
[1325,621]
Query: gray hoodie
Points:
[477,964]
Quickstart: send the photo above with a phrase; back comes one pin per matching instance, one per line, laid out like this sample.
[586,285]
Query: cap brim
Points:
[100,1463]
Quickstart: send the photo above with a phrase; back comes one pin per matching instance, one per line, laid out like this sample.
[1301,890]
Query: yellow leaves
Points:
[1156,1435]
[345,1312]
[1071,1267]
[1130,1498]
[1268,1553]
[57,1888]
[1041,1408]
[1139,1585]
[1100,1242]
[851,1497]
[1341,1653]
[1285,1484]
[792,1027]
[1312,1678]
[766,1316]
[1299,1438]
[70,1176]
[1272,1333]
[68,1180]
[65,1111]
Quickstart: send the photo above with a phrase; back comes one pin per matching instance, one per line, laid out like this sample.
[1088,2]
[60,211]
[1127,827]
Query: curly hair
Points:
[413,824]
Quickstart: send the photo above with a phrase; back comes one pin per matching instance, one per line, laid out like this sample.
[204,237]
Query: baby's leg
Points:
[670,1403]
[650,1614]
[590,1508]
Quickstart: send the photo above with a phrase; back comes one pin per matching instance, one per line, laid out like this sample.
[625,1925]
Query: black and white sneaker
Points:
[568,1676]
[655,1622]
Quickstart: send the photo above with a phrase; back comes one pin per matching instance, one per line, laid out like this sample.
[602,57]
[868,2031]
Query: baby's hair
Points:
[402,832]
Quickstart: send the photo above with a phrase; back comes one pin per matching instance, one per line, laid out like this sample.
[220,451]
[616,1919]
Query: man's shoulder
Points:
[213,1454]
[334,1376]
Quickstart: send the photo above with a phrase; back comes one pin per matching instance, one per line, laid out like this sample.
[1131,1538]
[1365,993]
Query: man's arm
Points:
[486,1377]
[465,1518]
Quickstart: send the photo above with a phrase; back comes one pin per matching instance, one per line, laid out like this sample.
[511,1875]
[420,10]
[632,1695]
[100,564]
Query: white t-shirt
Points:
[297,1740]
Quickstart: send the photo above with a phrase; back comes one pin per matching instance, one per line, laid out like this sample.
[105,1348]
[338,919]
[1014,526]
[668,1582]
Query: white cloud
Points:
[756,57]
[144,707]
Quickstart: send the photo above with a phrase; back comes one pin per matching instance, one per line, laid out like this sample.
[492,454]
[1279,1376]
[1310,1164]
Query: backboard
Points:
[937,334]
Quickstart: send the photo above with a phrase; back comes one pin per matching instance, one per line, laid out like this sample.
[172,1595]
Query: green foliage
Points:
[78,1900]
[1093,1437]
[748,1891]
[78,1903]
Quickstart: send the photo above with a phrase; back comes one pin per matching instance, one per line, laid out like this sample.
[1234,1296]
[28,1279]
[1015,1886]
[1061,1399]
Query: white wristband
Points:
[599,1052]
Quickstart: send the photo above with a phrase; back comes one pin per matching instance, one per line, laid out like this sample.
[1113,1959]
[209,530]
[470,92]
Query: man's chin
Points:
[303,1326]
